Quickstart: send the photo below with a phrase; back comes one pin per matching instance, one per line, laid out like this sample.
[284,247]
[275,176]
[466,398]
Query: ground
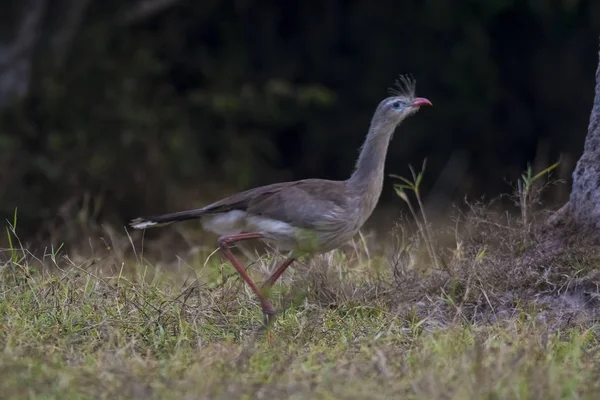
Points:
[363,322]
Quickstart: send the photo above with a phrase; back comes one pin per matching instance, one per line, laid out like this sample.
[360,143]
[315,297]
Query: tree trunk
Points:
[21,24]
[36,37]
[63,22]
[583,208]
[585,194]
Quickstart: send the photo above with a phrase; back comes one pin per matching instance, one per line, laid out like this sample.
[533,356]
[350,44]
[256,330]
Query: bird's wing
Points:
[309,203]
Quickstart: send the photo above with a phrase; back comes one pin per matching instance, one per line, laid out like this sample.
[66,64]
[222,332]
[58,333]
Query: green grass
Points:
[107,330]
[497,311]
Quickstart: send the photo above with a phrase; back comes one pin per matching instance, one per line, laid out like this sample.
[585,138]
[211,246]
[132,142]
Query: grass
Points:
[499,314]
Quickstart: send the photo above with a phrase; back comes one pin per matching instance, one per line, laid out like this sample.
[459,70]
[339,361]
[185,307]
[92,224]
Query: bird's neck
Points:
[366,182]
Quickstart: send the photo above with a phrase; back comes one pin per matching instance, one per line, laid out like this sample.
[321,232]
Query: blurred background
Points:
[118,108]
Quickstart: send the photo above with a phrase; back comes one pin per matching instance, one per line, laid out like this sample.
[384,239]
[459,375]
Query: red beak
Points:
[420,101]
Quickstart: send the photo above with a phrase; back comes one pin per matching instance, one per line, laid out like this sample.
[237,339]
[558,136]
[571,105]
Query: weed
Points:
[474,319]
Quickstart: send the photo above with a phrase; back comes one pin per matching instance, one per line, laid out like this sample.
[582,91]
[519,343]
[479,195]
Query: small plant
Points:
[11,232]
[422,225]
[525,186]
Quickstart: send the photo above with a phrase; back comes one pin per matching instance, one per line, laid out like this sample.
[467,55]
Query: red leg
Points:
[224,243]
[266,287]
[273,278]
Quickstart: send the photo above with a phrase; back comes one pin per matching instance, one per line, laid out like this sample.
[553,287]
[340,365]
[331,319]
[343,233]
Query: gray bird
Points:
[308,216]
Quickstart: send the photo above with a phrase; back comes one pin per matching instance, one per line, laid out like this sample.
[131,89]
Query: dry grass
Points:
[497,268]
[496,319]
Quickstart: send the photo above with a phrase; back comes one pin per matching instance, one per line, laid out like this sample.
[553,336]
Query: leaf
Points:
[419,179]
[412,171]
[545,171]
[481,254]
[405,187]
[400,192]
[403,179]
[10,243]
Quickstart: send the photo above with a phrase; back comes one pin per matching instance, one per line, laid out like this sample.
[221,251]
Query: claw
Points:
[269,317]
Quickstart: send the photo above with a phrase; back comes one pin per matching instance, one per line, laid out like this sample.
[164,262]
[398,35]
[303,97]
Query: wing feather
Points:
[309,203]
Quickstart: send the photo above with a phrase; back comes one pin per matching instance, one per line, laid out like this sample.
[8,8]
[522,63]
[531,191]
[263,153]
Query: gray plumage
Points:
[312,215]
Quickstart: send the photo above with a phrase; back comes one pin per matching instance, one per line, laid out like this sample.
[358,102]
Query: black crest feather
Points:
[405,85]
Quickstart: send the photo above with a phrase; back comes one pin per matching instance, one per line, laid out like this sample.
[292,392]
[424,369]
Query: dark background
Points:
[175,108]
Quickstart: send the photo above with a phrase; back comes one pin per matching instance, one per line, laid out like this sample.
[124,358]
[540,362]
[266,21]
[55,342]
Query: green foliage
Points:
[423,224]
[525,187]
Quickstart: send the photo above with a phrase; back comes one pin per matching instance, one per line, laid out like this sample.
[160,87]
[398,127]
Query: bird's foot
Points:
[269,313]
[269,317]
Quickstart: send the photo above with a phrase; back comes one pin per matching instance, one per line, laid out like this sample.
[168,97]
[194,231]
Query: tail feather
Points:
[165,219]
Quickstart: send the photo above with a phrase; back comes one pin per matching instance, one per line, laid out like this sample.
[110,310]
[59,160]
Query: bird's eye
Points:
[396,105]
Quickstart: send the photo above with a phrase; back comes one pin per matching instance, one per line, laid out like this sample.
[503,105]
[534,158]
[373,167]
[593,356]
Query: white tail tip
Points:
[142,224]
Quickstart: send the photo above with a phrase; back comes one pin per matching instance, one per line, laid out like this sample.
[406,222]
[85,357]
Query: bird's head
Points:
[402,103]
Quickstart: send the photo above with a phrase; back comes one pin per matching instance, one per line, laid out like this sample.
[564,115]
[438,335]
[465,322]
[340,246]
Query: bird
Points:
[309,216]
